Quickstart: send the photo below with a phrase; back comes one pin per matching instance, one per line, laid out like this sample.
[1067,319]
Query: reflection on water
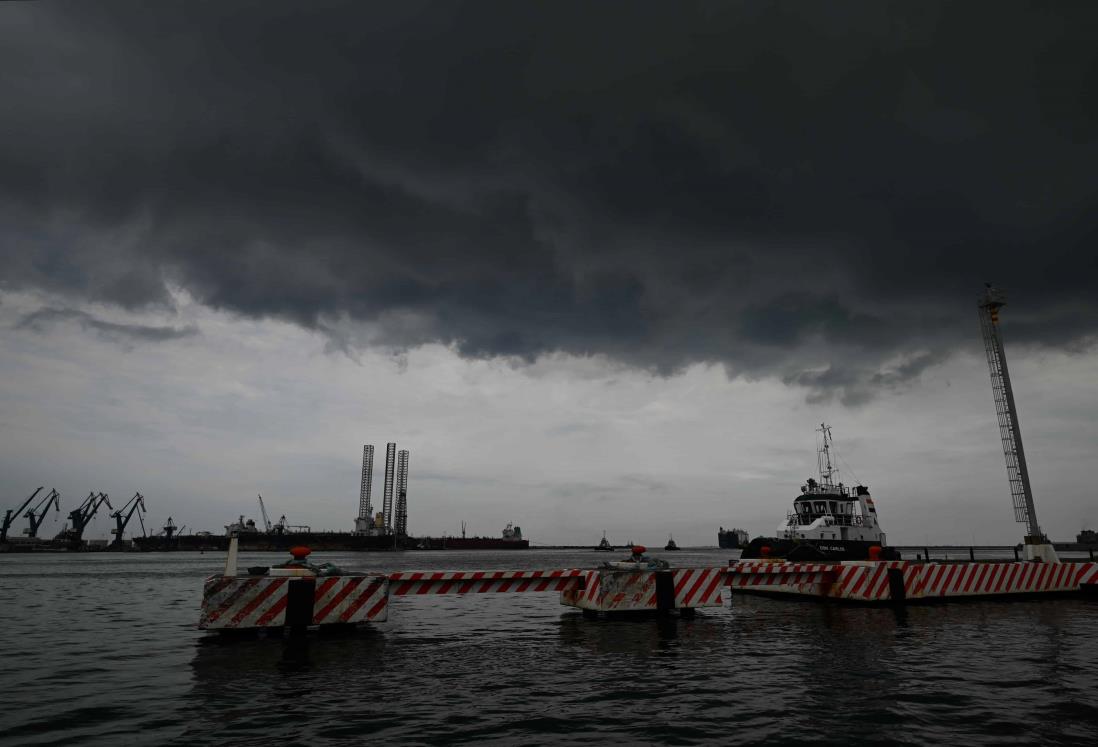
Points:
[113,640]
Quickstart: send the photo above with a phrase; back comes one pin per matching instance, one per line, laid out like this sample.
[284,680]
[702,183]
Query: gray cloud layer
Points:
[796,189]
[127,334]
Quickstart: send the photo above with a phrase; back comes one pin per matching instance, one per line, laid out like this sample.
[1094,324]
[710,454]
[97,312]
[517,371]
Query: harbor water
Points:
[102,648]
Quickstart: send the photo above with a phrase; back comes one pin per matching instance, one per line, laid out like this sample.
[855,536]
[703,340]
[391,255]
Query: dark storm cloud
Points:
[127,334]
[809,190]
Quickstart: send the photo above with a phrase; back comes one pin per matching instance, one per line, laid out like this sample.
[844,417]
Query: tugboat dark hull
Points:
[809,551]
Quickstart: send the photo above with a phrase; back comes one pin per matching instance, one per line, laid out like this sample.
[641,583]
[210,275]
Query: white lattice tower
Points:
[1009,430]
[365,509]
[401,525]
[387,500]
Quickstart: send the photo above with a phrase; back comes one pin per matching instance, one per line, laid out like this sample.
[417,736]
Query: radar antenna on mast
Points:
[823,457]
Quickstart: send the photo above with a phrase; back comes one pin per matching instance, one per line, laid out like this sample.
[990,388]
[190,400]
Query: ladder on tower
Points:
[387,498]
[401,525]
[1010,434]
[365,510]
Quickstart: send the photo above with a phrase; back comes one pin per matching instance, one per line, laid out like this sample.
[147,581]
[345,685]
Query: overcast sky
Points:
[596,265]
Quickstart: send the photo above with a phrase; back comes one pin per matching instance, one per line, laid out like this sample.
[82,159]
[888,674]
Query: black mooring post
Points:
[1092,553]
[896,590]
[665,591]
[300,593]
[1015,552]
[971,554]
[926,553]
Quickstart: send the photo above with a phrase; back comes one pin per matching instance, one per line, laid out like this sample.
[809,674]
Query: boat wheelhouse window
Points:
[819,507]
[834,507]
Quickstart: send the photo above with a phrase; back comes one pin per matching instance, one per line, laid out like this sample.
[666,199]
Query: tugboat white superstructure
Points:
[829,521]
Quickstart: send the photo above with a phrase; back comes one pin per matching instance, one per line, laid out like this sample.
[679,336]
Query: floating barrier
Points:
[624,590]
[906,581]
[254,602]
[482,582]
[298,595]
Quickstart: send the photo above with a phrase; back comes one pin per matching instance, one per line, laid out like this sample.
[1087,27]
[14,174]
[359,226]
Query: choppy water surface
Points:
[102,649]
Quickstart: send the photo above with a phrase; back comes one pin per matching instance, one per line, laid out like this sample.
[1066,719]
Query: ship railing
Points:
[839,520]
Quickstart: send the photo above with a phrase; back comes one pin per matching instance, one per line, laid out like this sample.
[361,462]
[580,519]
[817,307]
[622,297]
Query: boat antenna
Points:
[823,456]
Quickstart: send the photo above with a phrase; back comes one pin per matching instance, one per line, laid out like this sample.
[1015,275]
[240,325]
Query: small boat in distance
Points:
[604,545]
[829,521]
[670,544]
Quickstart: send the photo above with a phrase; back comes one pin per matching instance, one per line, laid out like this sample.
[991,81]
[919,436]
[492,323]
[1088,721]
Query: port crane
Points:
[82,515]
[280,526]
[263,511]
[1010,432]
[123,515]
[37,514]
[10,515]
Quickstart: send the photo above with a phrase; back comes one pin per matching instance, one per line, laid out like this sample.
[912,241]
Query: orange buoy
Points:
[764,551]
[300,552]
[875,552]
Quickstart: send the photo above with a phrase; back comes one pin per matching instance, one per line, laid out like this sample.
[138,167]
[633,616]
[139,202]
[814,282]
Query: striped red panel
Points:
[863,581]
[250,602]
[406,583]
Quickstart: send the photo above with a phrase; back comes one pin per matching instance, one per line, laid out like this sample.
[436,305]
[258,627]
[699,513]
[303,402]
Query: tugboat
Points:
[604,545]
[829,521]
[670,544]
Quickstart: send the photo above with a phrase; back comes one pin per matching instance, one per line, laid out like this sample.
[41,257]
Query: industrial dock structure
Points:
[385,530]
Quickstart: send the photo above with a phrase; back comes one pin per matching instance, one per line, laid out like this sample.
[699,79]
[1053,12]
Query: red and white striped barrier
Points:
[613,590]
[252,602]
[935,580]
[865,581]
[230,602]
[699,587]
[350,599]
[412,583]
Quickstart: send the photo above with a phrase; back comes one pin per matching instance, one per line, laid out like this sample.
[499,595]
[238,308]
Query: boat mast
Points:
[823,457]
